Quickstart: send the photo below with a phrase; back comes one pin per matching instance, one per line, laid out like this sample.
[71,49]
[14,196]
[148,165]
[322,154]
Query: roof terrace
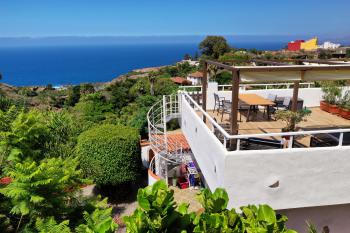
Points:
[243,116]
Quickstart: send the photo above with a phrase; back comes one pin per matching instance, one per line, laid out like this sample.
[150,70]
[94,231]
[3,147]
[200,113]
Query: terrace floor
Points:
[259,124]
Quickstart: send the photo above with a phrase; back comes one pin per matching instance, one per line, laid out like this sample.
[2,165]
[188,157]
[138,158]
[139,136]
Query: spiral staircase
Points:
[167,154]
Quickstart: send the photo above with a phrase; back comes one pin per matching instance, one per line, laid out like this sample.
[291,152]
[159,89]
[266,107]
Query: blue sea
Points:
[73,64]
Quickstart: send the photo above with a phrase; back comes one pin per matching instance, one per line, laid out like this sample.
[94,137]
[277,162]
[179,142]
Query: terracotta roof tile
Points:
[179,139]
[174,142]
[196,74]
[181,80]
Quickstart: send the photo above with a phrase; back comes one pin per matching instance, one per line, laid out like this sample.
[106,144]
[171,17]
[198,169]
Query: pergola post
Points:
[234,102]
[204,88]
[295,99]
[295,96]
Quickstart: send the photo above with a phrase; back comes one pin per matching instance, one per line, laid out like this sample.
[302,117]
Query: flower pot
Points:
[334,109]
[324,106]
[344,113]
[5,180]
[287,137]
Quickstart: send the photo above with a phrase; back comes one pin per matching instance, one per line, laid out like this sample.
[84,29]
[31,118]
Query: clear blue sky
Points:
[176,17]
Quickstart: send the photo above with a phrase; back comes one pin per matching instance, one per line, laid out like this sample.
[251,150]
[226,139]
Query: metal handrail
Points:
[266,85]
[157,117]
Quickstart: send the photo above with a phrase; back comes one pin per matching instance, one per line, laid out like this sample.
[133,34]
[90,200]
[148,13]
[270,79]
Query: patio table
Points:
[254,100]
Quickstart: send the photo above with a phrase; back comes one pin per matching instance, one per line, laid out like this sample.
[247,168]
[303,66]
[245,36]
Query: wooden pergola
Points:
[293,73]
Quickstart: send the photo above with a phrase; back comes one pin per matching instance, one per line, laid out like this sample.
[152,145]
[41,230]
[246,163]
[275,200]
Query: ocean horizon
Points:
[35,65]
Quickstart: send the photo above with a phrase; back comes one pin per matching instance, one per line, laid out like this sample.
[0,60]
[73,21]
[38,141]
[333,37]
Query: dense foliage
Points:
[158,212]
[42,188]
[214,46]
[110,154]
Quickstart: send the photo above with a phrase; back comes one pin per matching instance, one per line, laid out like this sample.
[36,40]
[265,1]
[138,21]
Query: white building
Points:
[195,78]
[329,45]
[307,179]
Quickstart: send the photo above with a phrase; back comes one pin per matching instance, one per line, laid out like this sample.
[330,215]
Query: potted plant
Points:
[291,119]
[332,93]
[344,110]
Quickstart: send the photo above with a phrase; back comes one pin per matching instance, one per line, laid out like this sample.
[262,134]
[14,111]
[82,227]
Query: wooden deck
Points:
[259,124]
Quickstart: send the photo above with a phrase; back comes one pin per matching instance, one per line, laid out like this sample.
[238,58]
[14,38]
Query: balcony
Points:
[292,177]
[300,174]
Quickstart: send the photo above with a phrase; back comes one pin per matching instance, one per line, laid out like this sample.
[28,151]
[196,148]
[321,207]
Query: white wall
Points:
[307,177]
[207,149]
[145,156]
[335,217]
[195,81]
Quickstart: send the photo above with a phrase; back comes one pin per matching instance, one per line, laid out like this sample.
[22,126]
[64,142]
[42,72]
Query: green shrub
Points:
[158,212]
[110,154]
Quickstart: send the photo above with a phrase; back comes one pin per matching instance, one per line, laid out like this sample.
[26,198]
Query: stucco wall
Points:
[145,156]
[307,177]
[335,217]
[206,148]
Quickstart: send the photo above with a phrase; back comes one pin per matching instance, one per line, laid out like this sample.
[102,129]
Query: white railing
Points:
[157,117]
[253,86]
[227,137]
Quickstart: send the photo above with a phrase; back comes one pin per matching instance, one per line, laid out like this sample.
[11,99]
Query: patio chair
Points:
[272,97]
[218,102]
[242,107]
[286,104]
[226,108]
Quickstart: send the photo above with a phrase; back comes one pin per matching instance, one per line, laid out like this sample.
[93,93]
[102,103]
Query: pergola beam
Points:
[292,68]
[220,65]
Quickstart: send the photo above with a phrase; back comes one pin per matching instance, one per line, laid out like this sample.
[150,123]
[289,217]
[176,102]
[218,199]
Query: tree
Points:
[86,88]
[24,136]
[347,53]
[121,93]
[214,46]
[73,95]
[195,58]
[213,70]
[187,57]
[43,189]
[152,79]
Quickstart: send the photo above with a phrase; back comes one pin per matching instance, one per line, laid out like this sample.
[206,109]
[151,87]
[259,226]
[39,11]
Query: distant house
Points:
[195,78]
[181,81]
[329,45]
[191,62]
[295,45]
[340,52]
[309,45]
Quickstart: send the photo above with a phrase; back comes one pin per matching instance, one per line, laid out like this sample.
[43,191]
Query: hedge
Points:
[110,154]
